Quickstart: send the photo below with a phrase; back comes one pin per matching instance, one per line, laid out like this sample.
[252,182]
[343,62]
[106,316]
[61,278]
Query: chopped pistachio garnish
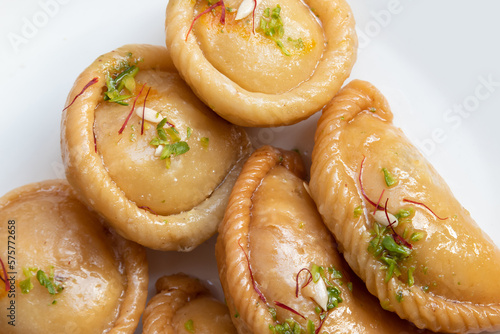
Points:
[290,326]
[204,141]
[385,249]
[116,84]
[272,310]
[404,213]
[417,236]
[170,142]
[399,296]
[310,327]
[26,285]
[298,43]
[358,211]
[333,297]
[323,290]
[334,272]
[48,282]
[189,326]
[390,180]
[411,280]
[271,26]
[316,272]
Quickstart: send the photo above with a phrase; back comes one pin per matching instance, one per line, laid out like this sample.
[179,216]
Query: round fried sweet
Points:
[183,305]
[272,243]
[158,169]
[278,65]
[424,257]
[71,273]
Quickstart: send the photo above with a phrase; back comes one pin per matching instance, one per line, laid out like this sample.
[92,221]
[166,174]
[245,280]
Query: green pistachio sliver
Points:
[189,326]
[417,236]
[390,180]
[358,211]
[391,245]
[26,285]
[204,141]
[411,279]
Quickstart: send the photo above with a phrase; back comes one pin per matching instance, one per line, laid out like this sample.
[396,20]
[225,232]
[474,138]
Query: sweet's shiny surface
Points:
[103,276]
[130,158]
[270,80]
[448,282]
[282,236]
[116,171]
[254,61]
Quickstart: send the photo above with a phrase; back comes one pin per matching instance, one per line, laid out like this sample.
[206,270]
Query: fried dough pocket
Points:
[278,264]
[183,305]
[145,153]
[398,224]
[72,273]
[278,62]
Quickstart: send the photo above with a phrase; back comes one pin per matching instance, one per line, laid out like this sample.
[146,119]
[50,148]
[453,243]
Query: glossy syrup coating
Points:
[110,160]
[448,282]
[103,277]
[183,305]
[273,220]
[275,80]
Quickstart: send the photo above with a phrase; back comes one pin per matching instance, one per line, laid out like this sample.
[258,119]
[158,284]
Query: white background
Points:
[430,59]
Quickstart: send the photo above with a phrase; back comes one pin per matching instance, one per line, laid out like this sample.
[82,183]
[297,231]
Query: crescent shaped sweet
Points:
[183,305]
[400,228]
[278,263]
[68,272]
[278,64]
[145,153]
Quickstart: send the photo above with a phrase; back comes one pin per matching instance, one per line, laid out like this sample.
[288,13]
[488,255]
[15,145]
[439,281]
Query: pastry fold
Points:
[279,265]
[396,221]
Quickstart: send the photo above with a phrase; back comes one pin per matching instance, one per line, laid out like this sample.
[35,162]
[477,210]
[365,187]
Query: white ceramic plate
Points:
[436,61]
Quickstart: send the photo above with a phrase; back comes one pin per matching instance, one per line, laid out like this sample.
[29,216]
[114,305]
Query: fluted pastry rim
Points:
[425,310]
[258,109]
[86,172]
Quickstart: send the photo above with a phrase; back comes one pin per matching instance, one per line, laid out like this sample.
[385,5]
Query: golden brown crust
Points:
[454,261]
[273,231]
[87,173]
[243,107]
[174,293]
[233,270]
[130,257]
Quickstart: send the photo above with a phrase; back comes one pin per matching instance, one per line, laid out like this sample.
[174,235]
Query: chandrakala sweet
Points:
[262,62]
[145,153]
[67,271]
